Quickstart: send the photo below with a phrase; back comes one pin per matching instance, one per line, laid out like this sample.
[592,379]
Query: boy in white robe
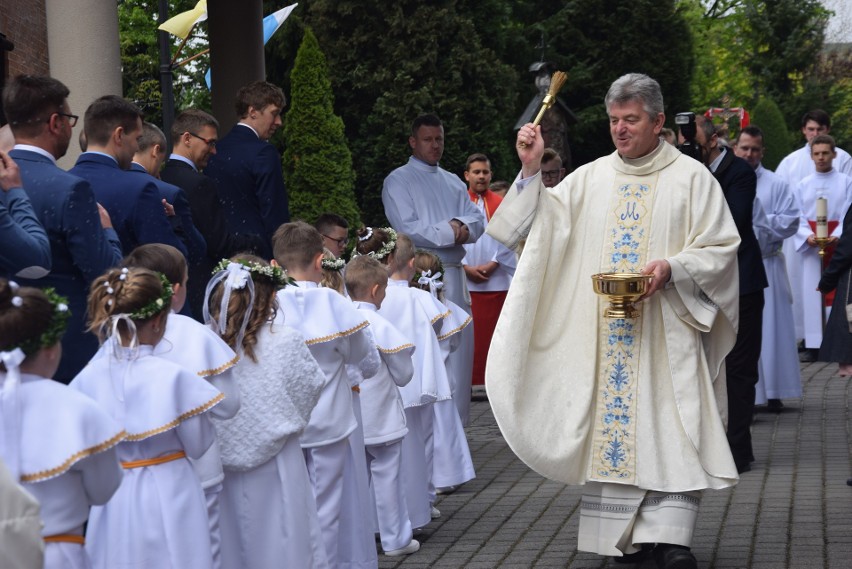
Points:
[382,409]
[418,316]
[333,331]
[836,188]
[56,441]
[199,350]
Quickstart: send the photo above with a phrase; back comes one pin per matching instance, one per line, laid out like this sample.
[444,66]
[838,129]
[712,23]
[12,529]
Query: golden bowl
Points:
[622,290]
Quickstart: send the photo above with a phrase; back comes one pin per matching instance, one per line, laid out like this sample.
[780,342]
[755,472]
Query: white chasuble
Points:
[640,402]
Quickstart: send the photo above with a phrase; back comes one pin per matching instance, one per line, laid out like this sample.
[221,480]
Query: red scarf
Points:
[490,199]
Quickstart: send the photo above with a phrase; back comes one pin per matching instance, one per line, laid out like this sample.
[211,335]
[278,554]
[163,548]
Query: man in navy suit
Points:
[194,140]
[147,163]
[247,168]
[739,184]
[113,127]
[83,244]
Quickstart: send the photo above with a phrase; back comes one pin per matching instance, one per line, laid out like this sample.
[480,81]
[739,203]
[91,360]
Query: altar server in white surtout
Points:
[55,441]
[631,408]
[269,515]
[158,517]
[836,188]
[334,332]
[776,220]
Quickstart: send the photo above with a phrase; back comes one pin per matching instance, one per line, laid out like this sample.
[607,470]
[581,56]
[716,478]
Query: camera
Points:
[686,124]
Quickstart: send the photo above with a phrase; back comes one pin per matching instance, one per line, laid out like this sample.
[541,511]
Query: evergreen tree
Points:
[317,162]
[776,137]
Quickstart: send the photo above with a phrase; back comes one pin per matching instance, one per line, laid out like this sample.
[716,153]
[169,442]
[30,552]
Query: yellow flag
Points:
[181,24]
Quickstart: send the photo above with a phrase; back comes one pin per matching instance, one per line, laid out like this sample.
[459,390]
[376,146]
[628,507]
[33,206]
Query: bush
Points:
[776,137]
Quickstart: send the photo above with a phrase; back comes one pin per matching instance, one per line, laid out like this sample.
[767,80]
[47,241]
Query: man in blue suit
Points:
[147,163]
[83,244]
[247,168]
[113,127]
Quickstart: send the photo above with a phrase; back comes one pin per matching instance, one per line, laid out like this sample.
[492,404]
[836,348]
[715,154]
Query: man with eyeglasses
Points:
[194,136]
[247,168]
[335,232]
[552,171]
[83,243]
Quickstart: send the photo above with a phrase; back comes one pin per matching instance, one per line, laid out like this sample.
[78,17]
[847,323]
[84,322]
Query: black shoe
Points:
[670,556]
[635,558]
[742,468]
[849,481]
[809,355]
[774,405]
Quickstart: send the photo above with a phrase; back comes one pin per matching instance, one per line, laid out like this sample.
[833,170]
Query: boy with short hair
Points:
[381,406]
[836,187]
[334,332]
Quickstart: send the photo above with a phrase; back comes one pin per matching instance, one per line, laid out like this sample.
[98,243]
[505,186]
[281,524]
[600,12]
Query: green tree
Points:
[776,137]
[393,61]
[317,162]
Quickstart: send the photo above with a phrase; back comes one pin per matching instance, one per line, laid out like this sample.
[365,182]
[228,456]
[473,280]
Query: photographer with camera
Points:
[739,184]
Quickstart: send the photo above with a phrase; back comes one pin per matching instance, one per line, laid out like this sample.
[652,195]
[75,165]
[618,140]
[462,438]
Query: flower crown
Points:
[162,302]
[54,331]
[277,275]
[387,247]
[332,264]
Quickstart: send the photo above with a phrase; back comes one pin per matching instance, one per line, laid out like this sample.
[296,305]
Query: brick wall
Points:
[24,23]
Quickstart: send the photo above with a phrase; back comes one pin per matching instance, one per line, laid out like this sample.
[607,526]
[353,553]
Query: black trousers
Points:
[742,372]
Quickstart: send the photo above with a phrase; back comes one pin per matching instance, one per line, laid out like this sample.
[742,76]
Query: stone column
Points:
[235,32]
[82,41]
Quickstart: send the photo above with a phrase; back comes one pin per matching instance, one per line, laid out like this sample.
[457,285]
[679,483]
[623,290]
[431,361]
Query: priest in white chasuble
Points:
[633,409]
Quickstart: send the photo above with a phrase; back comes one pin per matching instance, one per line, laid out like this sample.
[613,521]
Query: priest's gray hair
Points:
[636,87]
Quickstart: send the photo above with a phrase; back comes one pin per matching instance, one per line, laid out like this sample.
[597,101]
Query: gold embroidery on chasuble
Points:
[625,251]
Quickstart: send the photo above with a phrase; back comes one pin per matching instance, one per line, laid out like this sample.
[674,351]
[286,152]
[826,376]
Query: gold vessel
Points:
[622,290]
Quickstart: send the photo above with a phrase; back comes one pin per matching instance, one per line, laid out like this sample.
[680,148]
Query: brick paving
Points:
[792,511]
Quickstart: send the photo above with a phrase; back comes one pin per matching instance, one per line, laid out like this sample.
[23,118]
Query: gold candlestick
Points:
[822,243]
[622,290]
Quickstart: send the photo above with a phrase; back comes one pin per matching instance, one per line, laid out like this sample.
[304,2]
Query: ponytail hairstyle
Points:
[430,273]
[249,306]
[30,318]
[121,299]
[332,272]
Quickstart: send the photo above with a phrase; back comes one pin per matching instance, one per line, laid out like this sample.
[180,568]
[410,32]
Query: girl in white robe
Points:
[453,465]
[268,512]
[158,517]
[57,442]
[198,349]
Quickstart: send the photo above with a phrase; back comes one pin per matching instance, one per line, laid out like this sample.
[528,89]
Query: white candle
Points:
[822,218]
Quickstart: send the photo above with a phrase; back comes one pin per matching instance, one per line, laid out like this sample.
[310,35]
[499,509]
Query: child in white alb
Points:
[158,516]
[333,331]
[269,516]
[453,465]
[198,349]
[382,409]
[55,441]
[418,317]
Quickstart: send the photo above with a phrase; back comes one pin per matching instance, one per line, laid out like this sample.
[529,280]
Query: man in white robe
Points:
[776,219]
[836,187]
[794,168]
[632,408]
[431,205]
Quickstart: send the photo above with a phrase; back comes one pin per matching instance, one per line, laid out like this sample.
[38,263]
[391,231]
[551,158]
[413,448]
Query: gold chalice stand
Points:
[622,290]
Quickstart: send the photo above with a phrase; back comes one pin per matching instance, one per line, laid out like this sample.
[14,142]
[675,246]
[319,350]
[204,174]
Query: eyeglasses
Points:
[72,119]
[210,143]
[550,173]
[340,242]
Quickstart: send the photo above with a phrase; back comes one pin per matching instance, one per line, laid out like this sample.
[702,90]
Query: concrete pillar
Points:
[82,41]
[235,32]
